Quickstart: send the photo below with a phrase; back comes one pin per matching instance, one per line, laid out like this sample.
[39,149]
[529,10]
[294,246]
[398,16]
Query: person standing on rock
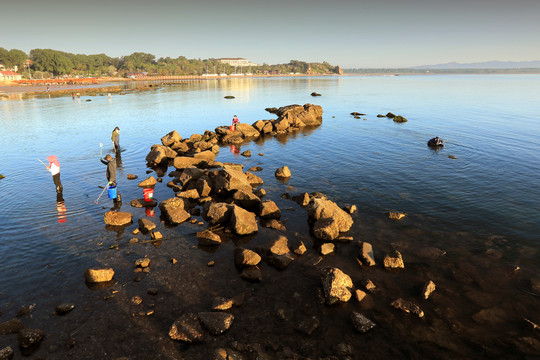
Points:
[235,122]
[54,169]
[115,137]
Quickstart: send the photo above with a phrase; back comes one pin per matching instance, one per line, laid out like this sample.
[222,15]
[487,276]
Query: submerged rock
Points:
[393,215]
[207,237]
[399,119]
[428,289]
[366,254]
[12,326]
[394,260]
[408,307]
[7,352]
[361,323]
[216,322]
[30,337]
[63,309]
[187,329]
[435,142]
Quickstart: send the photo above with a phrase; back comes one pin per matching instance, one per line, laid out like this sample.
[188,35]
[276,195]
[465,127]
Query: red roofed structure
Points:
[9,76]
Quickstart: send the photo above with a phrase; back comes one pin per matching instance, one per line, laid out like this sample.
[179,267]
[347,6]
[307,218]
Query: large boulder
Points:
[228,180]
[204,185]
[182,162]
[190,173]
[219,213]
[296,115]
[171,138]
[253,179]
[117,218]
[174,210]
[269,210]
[207,237]
[243,221]
[246,199]
[97,275]
[159,154]
[247,131]
[337,286]
[326,229]
[207,156]
[319,208]
[258,125]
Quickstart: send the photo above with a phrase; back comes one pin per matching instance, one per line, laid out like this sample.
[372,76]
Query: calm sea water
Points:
[490,124]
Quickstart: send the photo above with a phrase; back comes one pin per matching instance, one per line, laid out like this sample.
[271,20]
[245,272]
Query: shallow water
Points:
[480,208]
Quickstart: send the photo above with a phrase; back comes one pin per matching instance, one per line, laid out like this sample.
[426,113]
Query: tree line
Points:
[46,63]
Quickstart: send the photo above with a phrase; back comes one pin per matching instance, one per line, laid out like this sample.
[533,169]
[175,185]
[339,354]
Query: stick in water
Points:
[105,188]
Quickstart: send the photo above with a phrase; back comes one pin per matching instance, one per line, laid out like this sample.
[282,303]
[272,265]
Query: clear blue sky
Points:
[349,33]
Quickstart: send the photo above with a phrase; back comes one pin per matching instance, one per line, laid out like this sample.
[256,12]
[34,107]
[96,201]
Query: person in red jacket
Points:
[54,169]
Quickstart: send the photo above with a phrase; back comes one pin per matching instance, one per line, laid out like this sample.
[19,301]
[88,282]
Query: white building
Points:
[237,62]
[9,76]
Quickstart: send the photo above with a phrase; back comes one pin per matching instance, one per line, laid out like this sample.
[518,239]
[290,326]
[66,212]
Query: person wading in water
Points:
[54,169]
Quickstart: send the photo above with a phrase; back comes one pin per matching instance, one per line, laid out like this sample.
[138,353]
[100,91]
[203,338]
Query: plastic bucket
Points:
[148,194]
[112,192]
[231,127]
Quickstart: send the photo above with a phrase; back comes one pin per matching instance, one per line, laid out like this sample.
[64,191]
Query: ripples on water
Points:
[489,123]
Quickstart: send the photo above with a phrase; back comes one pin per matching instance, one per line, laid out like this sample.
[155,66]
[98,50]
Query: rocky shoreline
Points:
[289,278]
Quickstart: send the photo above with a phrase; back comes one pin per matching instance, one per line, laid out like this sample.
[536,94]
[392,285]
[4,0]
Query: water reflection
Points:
[62,211]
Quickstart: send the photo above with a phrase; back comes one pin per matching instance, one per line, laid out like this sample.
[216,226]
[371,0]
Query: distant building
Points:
[237,62]
[9,76]
[2,67]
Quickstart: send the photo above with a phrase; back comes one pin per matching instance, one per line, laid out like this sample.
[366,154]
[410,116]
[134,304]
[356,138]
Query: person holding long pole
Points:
[54,169]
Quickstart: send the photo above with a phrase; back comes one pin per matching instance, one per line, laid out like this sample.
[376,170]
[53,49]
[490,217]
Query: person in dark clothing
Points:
[111,169]
[115,138]
[111,172]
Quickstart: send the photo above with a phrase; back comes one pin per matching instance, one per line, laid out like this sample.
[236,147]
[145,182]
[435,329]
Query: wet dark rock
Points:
[207,238]
[2,176]
[408,307]
[326,229]
[222,304]
[428,289]
[435,142]
[7,352]
[228,97]
[65,308]
[302,199]
[366,254]
[97,275]
[361,323]
[283,172]
[269,210]
[273,224]
[152,291]
[187,329]
[139,203]
[260,193]
[251,273]
[272,110]
[117,218]
[315,94]
[450,156]
[12,326]
[229,180]
[245,257]
[344,239]
[357,114]
[216,322]
[286,196]
[279,246]
[337,285]
[142,262]
[308,326]
[351,209]
[29,338]
[390,115]
[243,221]
[280,262]
[131,176]
[299,248]
[393,260]
[393,215]
[246,153]
[491,316]
[399,119]
[432,253]
[146,225]
[255,168]
[25,310]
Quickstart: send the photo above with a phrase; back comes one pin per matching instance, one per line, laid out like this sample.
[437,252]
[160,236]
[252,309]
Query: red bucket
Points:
[231,127]
[148,194]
